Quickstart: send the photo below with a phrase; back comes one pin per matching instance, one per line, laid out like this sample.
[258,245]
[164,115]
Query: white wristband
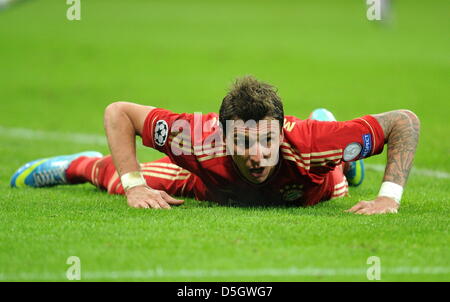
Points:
[392,190]
[132,179]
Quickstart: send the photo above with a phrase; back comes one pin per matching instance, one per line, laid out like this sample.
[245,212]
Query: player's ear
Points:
[281,135]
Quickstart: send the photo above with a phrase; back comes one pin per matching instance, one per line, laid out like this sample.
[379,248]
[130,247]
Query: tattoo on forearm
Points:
[401,129]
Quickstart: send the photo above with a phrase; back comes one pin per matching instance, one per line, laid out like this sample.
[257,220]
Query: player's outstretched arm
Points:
[123,121]
[401,130]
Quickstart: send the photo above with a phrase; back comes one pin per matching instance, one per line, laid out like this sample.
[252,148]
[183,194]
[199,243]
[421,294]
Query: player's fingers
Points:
[175,201]
[152,204]
[388,211]
[364,211]
[162,203]
[360,205]
[134,204]
[170,199]
[385,211]
[357,207]
[141,205]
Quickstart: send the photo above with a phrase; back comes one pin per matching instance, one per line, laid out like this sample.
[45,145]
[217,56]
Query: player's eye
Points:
[242,141]
[266,140]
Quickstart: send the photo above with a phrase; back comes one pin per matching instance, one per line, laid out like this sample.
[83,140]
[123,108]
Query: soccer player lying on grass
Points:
[248,154]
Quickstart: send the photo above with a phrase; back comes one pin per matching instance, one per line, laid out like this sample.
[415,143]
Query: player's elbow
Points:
[116,107]
[413,118]
[125,114]
[112,113]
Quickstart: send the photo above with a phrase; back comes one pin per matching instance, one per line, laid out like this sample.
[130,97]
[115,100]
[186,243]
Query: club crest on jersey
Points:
[161,132]
[352,151]
[291,192]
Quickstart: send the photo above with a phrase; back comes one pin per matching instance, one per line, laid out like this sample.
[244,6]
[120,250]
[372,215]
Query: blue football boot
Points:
[47,172]
[323,115]
[354,171]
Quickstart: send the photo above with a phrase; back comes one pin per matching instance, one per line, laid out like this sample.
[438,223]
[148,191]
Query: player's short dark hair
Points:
[250,99]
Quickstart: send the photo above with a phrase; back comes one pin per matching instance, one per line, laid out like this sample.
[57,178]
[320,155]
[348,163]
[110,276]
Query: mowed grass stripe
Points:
[263,272]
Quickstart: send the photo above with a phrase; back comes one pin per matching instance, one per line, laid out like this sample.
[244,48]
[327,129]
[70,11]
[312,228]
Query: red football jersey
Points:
[309,163]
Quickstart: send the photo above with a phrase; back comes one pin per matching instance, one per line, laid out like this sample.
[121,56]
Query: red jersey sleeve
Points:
[157,125]
[355,139]
[180,136]
[319,146]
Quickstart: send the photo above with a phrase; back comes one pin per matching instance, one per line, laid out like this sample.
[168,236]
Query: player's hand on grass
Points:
[381,205]
[145,197]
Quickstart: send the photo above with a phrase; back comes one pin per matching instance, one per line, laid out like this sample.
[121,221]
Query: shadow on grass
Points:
[86,191]
[330,208]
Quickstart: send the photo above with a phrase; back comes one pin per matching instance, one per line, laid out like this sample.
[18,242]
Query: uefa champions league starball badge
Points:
[352,151]
[161,132]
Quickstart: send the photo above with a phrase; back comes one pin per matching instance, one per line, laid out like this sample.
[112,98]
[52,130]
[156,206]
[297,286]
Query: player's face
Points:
[256,149]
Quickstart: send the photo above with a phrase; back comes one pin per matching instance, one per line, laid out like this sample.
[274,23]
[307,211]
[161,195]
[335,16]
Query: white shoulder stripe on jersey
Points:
[167,165]
[164,176]
[312,154]
[168,171]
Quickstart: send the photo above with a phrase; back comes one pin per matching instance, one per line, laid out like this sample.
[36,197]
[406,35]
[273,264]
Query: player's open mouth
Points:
[256,172]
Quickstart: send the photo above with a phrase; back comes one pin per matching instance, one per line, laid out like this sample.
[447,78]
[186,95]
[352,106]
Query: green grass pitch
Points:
[57,76]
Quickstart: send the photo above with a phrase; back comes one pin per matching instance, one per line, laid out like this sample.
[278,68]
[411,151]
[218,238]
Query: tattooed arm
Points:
[401,130]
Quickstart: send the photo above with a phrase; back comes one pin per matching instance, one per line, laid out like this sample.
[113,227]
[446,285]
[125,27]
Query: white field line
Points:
[41,135]
[421,172]
[100,140]
[264,272]
[55,136]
